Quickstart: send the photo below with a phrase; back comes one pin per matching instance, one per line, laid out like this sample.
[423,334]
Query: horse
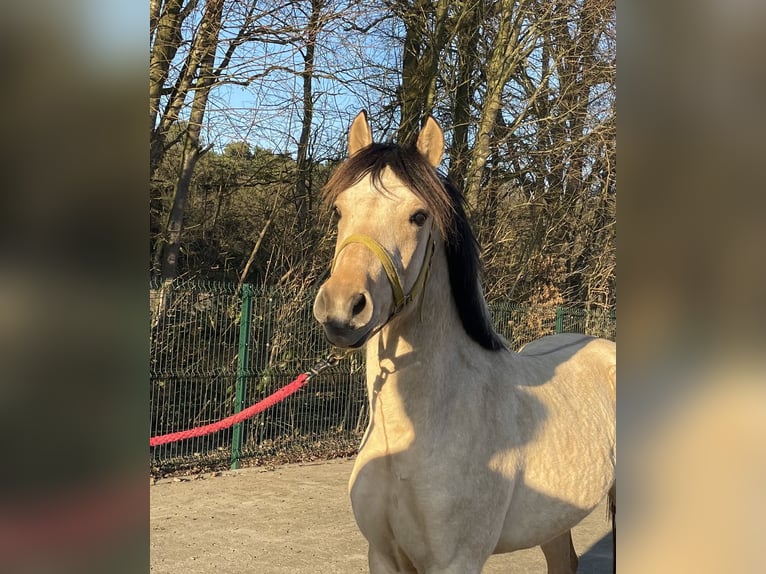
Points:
[471,449]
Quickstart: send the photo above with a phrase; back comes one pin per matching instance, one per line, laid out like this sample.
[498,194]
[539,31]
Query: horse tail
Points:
[612,511]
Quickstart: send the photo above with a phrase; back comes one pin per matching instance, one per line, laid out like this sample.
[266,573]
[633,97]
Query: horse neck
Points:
[408,354]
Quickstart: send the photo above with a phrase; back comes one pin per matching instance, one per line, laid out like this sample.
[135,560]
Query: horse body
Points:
[479,456]
[471,450]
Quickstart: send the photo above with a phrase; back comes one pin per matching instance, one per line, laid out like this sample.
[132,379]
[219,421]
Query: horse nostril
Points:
[359,303]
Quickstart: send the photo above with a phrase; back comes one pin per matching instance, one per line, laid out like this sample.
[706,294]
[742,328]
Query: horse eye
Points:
[419,218]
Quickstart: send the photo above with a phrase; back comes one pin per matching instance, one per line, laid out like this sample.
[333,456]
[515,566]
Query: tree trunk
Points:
[167,39]
[209,32]
[166,19]
[303,161]
[466,80]
[420,63]
[506,55]
[185,81]
[258,243]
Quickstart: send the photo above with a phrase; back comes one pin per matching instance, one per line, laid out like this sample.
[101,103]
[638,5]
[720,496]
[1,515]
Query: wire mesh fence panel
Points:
[208,362]
[193,368]
[289,341]
[520,324]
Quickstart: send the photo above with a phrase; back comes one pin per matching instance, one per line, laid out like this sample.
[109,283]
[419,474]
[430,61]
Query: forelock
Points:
[411,168]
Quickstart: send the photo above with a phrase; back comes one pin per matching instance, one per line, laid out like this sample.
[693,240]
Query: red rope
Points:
[250,411]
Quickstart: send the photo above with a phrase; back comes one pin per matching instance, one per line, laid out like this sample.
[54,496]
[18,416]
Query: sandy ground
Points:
[298,519]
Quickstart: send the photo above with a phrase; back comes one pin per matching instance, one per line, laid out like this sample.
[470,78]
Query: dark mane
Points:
[446,203]
[465,267]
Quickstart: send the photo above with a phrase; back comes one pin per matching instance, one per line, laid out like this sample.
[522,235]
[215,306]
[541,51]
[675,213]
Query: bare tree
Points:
[524,88]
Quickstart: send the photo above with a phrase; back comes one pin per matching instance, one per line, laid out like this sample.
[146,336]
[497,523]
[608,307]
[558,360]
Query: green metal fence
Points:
[216,350]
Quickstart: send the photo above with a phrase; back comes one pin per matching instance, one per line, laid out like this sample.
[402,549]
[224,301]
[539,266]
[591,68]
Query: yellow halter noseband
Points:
[400,299]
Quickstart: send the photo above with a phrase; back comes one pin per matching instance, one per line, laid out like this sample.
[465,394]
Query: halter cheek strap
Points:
[400,299]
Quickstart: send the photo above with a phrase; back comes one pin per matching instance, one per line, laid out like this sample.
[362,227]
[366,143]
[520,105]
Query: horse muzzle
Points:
[346,314]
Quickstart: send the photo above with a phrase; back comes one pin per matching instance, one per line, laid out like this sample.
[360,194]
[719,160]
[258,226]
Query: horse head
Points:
[387,227]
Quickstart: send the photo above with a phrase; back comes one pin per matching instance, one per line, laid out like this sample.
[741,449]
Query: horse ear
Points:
[359,135]
[431,142]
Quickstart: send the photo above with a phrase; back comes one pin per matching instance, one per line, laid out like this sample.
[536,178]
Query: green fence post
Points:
[243,357]
[559,320]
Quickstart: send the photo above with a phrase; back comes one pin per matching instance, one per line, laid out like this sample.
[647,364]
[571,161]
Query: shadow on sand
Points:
[598,558]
